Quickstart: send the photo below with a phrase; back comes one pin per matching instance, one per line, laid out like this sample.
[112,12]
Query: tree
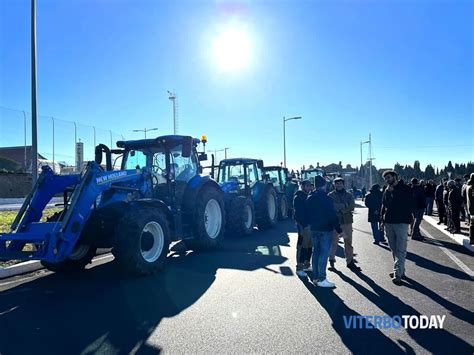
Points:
[417,170]
[429,172]
[450,166]
[311,166]
[348,167]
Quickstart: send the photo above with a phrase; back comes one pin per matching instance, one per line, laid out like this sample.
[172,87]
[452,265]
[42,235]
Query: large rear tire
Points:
[142,241]
[282,207]
[240,216]
[267,208]
[209,220]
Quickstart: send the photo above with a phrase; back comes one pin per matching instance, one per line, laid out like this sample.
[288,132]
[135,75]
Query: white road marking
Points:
[448,253]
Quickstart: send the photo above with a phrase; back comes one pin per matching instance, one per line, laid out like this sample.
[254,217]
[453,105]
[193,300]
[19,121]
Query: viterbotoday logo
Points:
[387,322]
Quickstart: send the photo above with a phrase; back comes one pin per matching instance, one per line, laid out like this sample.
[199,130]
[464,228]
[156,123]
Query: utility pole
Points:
[361,144]
[34,126]
[225,153]
[172,97]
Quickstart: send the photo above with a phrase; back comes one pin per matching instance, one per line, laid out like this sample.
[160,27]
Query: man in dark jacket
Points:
[439,202]
[373,201]
[455,204]
[396,211]
[420,205]
[304,245]
[323,220]
[430,189]
[449,220]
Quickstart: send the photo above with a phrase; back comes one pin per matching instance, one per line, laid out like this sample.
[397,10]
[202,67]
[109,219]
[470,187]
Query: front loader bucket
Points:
[26,228]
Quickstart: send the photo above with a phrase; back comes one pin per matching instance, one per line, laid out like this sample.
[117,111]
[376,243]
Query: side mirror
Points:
[202,157]
[260,164]
[98,155]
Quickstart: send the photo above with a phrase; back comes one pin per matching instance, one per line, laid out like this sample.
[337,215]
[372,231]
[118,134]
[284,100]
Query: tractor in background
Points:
[285,187]
[249,198]
[158,196]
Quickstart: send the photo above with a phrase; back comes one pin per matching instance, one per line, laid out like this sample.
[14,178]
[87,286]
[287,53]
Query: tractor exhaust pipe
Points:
[102,148]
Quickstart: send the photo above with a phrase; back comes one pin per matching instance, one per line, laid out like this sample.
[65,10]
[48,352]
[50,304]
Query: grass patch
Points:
[6,219]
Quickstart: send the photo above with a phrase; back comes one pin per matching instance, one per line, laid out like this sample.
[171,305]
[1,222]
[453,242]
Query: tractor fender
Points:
[194,187]
[259,188]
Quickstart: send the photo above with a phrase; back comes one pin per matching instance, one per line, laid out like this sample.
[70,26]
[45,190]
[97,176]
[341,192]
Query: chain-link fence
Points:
[57,140]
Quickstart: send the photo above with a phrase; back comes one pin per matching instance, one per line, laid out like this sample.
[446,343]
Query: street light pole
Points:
[370,172]
[225,152]
[145,130]
[34,126]
[284,135]
[54,170]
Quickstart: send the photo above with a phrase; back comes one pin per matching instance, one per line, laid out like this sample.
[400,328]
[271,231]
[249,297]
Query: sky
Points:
[401,71]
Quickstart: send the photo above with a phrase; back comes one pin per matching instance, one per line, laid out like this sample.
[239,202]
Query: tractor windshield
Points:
[231,173]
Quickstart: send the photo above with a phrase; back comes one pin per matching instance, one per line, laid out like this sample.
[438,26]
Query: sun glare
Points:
[232,48]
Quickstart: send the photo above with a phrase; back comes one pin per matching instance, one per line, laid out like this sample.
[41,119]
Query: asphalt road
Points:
[245,298]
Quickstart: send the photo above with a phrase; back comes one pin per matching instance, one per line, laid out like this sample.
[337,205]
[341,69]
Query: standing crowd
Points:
[323,218]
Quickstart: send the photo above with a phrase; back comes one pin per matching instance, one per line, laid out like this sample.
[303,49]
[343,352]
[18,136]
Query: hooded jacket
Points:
[299,207]
[398,204]
[321,214]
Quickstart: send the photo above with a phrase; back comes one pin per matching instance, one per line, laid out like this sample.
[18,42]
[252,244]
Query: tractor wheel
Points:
[282,207]
[142,241]
[267,208]
[81,255]
[209,220]
[241,216]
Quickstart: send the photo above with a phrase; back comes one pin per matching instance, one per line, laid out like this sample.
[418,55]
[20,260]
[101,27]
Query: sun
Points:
[232,49]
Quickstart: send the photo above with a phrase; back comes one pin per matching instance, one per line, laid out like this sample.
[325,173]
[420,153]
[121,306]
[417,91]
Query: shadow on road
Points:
[97,311]
[358,341]
[433,340]
[435,267]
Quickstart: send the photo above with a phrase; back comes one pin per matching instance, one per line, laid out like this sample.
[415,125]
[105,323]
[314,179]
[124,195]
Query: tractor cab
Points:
[172,161]
[241,175]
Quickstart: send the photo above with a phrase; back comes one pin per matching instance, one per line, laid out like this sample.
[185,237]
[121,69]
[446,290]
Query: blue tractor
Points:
[158,196]
[285,187]
[249,199]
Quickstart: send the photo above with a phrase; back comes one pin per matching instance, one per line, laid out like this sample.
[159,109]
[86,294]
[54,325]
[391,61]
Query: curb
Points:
[460,239]
[21,268]
[30,266]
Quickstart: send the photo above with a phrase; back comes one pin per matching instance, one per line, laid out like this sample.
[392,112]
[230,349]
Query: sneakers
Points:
[353,266]
[325,283]
[301,273]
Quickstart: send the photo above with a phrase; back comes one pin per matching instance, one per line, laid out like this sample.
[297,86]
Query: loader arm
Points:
[55,241]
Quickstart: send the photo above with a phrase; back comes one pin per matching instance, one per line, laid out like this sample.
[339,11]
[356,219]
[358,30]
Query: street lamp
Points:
[284,135]
[145,130]
[225,152]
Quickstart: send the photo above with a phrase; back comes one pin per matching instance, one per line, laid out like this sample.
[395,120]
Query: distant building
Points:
[22,156]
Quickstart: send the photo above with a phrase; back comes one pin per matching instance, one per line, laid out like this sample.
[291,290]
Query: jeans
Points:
[418,215]
[377,233]
[397,240]
[429,206]
[321,246]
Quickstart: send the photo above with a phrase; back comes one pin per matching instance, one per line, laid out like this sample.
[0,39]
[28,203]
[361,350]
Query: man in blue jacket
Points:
[322,219]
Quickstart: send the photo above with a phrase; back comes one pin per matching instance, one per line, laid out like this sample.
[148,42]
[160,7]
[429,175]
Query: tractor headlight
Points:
[98,200]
